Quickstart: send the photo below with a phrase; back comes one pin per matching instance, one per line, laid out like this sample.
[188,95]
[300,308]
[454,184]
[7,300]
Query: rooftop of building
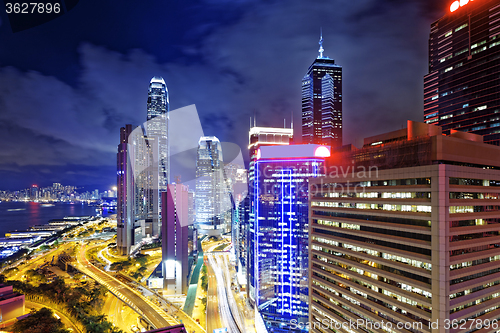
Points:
[293,151]
[270,130]
[171,329]
[7,292]
[419,144]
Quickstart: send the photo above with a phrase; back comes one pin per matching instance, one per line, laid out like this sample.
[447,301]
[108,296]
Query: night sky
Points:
[67,86]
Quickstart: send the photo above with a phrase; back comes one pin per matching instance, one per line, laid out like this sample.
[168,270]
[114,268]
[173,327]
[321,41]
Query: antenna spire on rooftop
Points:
[321,49]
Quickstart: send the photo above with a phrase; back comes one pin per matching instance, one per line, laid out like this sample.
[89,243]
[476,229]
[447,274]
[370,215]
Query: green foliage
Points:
[12,270]
[78,276]
[151,246]
[204,283]
[34,276]
[137,275]
[84,302]
[204,302]
[221,247]
[121,265]
[39,321]
[142,259]
[204,278]
[44,247]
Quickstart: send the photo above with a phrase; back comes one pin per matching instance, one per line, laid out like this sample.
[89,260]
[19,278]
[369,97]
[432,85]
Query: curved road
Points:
[154,314]
[65,320]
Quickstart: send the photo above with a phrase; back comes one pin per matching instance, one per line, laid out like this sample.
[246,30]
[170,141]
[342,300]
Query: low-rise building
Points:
[11,303]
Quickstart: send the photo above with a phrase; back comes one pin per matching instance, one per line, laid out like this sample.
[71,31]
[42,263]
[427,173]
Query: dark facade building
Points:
[322,102]
[462,89]
[404,234]
[125,215]
[175,239]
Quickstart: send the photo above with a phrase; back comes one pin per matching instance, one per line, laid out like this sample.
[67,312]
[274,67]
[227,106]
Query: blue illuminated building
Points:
[278,234]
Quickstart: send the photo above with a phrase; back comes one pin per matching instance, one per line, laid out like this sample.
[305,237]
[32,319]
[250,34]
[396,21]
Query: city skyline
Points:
[96,78]
[366,199]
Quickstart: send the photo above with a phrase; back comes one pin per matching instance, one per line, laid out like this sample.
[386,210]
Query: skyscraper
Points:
[278,237]
[157,128]
[462,88]
[151,157]
[125,214]
[211,199]
[322,102]
[257,137]
[175,239]
[407,235]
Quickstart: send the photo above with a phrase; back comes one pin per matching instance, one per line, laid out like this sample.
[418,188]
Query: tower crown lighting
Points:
[457,4]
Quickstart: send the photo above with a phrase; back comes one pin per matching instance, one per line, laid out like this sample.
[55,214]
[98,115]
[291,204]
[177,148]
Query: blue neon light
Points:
[280,270]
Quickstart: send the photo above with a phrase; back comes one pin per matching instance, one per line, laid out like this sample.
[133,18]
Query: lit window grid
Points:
[491,195]
[281,241]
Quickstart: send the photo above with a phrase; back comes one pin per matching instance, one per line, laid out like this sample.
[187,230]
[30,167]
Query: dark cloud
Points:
[248,63]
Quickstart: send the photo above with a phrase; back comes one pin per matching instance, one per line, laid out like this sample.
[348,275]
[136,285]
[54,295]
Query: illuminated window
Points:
[461,27]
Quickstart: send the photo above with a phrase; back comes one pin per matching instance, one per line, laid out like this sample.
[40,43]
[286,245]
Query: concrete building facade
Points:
[413,247]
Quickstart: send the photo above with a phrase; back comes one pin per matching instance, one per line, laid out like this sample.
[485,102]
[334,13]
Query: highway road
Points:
[65,320]
[154,314]
[222,310]
[213,316]
[119,314]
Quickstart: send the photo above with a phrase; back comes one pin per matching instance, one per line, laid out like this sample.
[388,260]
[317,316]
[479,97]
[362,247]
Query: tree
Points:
[39,321]
[204,282]
[34,276]
[142,259]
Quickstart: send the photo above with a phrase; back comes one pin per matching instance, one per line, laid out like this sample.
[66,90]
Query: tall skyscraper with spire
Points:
[322,101]
[157,129]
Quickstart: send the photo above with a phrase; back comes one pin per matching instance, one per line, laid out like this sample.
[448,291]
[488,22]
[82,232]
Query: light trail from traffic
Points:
[222,296]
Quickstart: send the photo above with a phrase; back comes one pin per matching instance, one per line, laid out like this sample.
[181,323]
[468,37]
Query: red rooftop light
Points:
[457,4]
[322,152]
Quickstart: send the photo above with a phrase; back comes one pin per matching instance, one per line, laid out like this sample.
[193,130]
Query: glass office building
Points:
[462,88]
[279,237]
[322,102]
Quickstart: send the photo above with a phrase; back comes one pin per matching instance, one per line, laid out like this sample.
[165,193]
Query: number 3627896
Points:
[32,8]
